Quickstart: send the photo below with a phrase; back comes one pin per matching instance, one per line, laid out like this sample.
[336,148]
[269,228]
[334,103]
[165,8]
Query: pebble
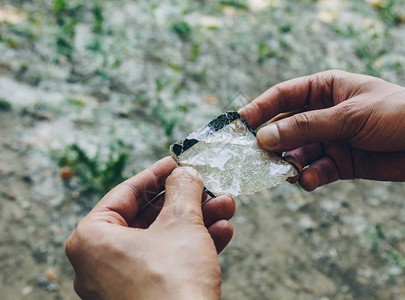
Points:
[25,205]
[50,274]
[27,290]
[40,254]
[17,215]
[66,173]
[305,223]
[45,283]
[212,99]
[12,194]
[42,116]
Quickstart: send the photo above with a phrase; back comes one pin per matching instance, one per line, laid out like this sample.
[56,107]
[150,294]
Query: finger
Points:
[122,204]
[319,173]
[149,214]
[204,197]
[303,129]
[315,91]
[304,156]
[220,208]
[184,190]
[221,233]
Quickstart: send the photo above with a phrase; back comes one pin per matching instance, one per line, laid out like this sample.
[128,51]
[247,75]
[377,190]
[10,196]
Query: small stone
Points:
[40,254]
[17,215]
[45,283]
[50,274]
[42,116]
[291,285]
[12,194]
[309,290]
[305,223]
[123,113]
[66,173]
[27,178]
[25,205]
[212,99]
[26,290]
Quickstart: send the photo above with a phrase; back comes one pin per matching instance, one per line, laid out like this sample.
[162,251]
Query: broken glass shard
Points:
[228,158]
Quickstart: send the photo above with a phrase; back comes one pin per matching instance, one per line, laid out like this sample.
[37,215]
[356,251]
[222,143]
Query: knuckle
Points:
[337,73]
[302,122]
[75,241]
[280,97]
[349,114]
[77,287]
[70,247]
[333,73]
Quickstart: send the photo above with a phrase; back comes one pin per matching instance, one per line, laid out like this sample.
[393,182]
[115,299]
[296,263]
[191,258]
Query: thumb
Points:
[303,129]
[184,189]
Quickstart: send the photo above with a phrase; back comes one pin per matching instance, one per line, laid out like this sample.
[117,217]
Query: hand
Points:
[119,252]
[353,126]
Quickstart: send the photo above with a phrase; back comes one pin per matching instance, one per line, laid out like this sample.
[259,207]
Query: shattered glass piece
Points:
[228,158]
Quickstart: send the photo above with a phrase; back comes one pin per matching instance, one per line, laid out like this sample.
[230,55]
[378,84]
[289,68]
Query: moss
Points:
[5,105]
[182,29]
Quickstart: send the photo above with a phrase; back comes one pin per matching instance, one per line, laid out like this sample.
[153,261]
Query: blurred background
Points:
[92,92]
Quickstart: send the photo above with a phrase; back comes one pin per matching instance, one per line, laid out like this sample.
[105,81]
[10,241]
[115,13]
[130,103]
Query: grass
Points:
[67,17]
[235,3]
[96,176]
[182,29]
[5,105]
[385,246]
[168,117]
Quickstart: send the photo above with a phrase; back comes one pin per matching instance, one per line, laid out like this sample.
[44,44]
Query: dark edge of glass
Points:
[215,125]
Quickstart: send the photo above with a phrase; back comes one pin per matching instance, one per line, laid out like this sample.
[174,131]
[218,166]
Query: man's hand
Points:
[353,126]
[119,252]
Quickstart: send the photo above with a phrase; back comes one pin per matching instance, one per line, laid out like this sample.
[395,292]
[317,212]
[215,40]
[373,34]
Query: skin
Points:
[119,252]
[353,126]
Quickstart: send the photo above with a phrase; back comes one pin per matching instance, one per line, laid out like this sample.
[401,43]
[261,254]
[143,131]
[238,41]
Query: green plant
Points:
[235,3]
[168,117]
[195,52]
[265,52]
[397,258]
[66,19]
[182,29]
[389,13]
[4,104]
[379,231]
[98,18]
[97,177]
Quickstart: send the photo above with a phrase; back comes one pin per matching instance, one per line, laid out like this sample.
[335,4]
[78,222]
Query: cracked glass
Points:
[228,158]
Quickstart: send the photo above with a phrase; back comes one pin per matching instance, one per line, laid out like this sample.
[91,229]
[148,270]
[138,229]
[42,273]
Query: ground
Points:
[91,93]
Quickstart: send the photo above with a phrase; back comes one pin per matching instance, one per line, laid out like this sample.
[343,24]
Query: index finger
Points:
[314,91]
[122,204]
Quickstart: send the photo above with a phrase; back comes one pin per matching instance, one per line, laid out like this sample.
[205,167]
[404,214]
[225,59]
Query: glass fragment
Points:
[228,158]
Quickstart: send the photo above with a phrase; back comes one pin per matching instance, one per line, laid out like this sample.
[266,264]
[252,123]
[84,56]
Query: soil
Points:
[142,90]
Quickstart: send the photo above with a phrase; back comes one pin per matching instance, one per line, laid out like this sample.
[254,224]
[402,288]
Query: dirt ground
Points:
[120,84]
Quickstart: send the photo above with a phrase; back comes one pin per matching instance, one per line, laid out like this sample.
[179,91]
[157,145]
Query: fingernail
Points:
[269,135]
